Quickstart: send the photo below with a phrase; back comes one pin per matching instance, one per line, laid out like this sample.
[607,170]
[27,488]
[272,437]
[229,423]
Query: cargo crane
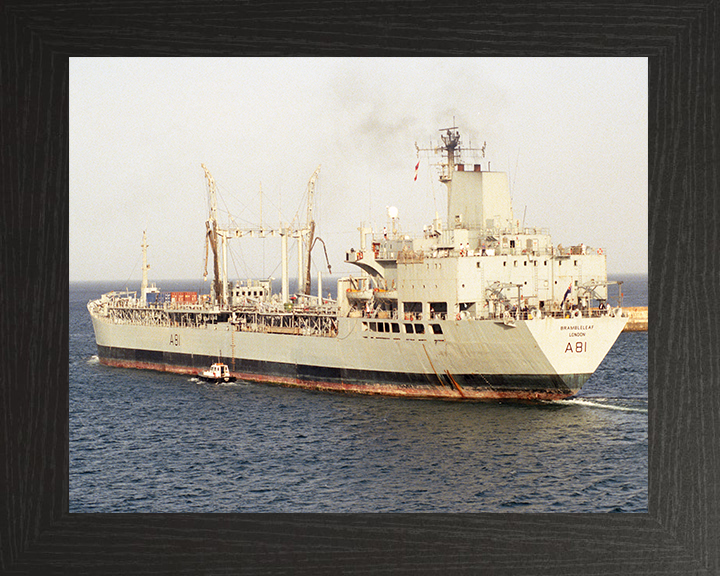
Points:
[213,232]
[309,229]
[211,237]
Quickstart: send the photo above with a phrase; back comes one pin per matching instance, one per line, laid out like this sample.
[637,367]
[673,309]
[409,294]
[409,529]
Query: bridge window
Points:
[436,328]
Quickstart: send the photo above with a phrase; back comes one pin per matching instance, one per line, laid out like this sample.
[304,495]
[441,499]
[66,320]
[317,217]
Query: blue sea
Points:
[143,441]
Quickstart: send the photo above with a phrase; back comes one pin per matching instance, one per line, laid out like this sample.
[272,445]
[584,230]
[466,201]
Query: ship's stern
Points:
[576,346]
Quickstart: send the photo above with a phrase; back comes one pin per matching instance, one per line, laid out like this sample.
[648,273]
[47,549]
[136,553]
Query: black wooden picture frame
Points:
[681,532]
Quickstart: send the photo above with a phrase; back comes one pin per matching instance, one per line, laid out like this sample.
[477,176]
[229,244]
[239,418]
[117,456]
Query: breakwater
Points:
[638,321]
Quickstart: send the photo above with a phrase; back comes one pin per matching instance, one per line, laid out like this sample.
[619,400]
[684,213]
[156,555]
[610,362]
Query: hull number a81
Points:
[579,347]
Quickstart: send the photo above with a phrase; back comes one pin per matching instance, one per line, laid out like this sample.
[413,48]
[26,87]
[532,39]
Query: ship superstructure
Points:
[477,307]
[483,264]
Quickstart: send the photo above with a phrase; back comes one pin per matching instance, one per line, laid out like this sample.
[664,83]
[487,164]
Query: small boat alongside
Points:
[217,373]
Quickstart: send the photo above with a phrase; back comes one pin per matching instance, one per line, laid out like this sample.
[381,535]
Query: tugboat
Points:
[217,373]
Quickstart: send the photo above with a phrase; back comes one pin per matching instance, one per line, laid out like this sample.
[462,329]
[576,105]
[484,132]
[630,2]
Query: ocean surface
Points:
[143,441]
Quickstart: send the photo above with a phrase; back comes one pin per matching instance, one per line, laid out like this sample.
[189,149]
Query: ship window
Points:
[525,263]
[395,327]
[364,326]
[387,326]
[373,326]
[438,309]
[505,263]
[412,308]
[545,263]
[512,243]
[534,262]
[419,329]
[575,262]
[515,263]
[409,329]
[477,264]
[436,328]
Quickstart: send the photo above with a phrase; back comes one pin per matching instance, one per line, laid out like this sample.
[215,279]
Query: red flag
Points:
[417,166]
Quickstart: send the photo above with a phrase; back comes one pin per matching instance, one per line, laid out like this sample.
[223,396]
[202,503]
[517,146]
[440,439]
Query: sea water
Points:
[144,441]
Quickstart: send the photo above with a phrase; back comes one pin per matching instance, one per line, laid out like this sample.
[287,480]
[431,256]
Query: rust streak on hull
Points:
[455,383]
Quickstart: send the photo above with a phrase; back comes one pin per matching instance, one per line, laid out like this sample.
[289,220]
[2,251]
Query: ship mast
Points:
[451,139]
[451,146]
[145,268]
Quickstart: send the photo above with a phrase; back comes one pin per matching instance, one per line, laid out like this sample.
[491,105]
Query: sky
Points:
[572,134]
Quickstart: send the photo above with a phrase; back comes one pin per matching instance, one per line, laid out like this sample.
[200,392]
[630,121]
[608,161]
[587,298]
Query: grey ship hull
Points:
[540,359]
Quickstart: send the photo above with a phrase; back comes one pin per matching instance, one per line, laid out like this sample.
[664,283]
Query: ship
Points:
[477,307]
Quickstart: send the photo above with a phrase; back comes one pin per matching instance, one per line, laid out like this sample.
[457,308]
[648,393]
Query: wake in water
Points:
[93,359]
[598,404]
[201,381]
